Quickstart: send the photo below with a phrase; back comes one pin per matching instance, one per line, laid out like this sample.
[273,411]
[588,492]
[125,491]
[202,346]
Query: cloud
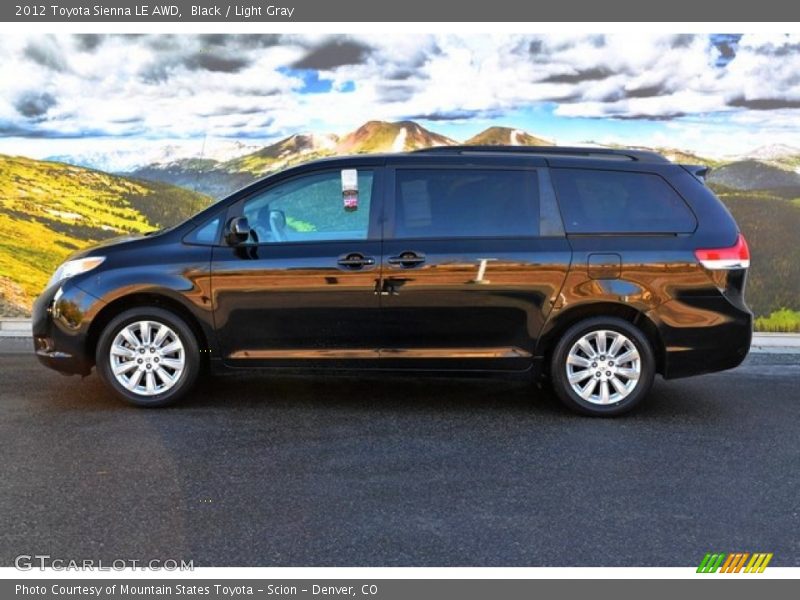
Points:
[88,42]
[454,115]
[764,103]
[17,130]
[231,109]
[682,40]
[393,92]
[30,131]
[46,53]
[333,54]
[240,41]
[209,61]
[261,86]
[593,74]
[648,91]
[664,116]
[34,104]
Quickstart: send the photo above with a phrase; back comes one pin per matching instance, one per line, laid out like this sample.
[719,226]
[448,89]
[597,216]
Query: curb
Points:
[766,343]
[776,343]
[15,328]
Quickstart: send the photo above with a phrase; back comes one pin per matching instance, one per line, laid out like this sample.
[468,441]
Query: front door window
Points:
[310,208]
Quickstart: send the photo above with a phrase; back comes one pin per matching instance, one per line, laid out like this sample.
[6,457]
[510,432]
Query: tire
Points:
[173,362]
[578,356]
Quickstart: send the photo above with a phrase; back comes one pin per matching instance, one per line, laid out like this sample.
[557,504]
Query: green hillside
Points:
[48,210]
[770,223]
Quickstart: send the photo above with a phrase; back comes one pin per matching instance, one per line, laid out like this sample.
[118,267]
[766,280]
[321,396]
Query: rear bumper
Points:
[60,325]
[702,334]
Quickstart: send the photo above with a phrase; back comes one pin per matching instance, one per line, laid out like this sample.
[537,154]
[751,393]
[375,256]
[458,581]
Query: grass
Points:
[780,321]
[48,210]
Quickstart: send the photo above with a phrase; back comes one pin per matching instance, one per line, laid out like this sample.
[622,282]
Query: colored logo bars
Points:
[735,562]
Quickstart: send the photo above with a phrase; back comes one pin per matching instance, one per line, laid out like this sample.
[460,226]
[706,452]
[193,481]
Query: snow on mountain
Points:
[505,136]
[773,152]
[400,141]
[135,156]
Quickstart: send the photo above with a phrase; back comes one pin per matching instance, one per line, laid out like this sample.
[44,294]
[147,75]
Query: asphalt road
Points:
[400,471]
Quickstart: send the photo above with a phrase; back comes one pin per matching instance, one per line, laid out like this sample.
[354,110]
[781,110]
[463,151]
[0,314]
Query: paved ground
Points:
[400,471]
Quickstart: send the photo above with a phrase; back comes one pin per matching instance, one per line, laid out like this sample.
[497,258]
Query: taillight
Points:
[735,257]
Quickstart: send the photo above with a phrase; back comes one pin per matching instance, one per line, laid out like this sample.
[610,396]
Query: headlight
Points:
[75,267]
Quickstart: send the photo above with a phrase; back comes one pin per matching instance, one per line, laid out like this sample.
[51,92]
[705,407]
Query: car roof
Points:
[499,156]
[587,152]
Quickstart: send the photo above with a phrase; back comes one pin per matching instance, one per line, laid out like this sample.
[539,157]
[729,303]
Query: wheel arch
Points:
[557,325]
[147,299]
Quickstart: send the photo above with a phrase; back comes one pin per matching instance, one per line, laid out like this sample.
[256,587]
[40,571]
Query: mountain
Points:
[382,136]
[754,175]
[202,175]
[676,155]
[773,152]
[48,210]
[506,136]
[113,161]
[303,146]
[218,178]
[685,157]
[131,158]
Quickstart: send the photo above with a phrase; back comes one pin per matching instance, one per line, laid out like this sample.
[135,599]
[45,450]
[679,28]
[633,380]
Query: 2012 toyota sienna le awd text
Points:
[592,268]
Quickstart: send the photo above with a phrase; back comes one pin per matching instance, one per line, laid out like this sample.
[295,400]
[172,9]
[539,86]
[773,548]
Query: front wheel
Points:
[602,366]
[148,356]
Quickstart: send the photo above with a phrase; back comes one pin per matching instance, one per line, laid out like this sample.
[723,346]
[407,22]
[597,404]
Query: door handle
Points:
[407,260]
[355,261]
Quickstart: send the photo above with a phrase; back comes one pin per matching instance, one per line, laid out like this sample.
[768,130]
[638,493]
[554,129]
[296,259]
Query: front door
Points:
[304,287]
[473,261]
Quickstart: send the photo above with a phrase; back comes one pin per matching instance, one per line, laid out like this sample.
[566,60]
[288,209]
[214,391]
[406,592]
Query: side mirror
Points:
[238,231]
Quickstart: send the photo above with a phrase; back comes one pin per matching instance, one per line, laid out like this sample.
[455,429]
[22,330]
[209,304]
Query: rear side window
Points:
[444,203]
[595,201]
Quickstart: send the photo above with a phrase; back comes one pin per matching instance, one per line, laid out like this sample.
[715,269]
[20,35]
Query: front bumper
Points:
[60,320]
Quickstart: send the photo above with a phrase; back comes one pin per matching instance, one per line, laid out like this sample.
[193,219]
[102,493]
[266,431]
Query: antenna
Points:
[202,156]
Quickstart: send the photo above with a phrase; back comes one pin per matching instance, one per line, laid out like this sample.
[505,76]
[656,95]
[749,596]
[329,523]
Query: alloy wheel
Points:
[603,367]
[147,357]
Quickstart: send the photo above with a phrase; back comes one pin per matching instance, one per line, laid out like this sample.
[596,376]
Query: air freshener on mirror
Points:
[350,189]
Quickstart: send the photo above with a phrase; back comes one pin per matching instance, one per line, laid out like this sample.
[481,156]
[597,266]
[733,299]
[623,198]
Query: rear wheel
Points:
[148,356]
[602,366]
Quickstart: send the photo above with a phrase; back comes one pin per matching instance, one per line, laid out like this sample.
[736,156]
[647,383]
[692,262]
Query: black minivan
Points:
[592,268]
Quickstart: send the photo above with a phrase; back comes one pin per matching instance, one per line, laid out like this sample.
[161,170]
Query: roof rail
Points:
[566,151]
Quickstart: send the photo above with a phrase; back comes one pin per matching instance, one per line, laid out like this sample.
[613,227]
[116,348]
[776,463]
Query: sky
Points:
[718,95]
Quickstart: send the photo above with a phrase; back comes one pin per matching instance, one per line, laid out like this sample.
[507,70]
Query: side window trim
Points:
[236,209]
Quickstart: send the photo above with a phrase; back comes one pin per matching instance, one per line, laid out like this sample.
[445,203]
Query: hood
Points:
[97,248]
